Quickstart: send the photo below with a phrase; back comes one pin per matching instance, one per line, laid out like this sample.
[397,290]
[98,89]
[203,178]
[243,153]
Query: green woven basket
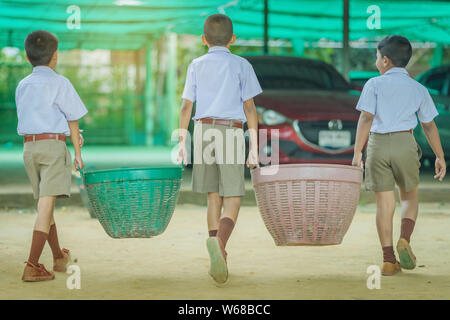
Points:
[133,202]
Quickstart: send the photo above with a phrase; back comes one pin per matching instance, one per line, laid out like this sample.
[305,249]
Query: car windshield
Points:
[297,75]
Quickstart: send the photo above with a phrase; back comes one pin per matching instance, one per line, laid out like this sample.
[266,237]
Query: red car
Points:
[311,105]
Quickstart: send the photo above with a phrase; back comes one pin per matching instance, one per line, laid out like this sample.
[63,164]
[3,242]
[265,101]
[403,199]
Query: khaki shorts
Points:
[49,166]
[218,160]
[392,158]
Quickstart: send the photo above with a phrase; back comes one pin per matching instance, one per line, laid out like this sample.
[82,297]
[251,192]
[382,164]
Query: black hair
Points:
[218,29]
[396,48]
[40,46]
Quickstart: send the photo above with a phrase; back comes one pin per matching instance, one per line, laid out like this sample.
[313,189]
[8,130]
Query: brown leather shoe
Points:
[60,265]
[407,257]
[34,273]
[389,269]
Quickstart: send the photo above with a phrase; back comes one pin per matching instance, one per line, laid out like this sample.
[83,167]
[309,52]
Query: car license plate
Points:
[334,139]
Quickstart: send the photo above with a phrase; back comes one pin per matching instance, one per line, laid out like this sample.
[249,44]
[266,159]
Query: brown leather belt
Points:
[232,123]
[44,136]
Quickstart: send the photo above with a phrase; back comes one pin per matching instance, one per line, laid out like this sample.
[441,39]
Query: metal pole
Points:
[266,27]
[149,97]
[345,40]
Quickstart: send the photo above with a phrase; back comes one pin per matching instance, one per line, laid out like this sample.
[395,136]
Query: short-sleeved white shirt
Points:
[394,98]
[220,82]
[45,101]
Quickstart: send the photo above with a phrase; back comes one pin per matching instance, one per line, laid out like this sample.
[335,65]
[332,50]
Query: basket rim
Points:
[320,173]
[133,174]
[321,165]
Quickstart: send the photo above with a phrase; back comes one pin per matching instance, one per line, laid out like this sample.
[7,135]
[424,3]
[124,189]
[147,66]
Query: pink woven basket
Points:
[307,204]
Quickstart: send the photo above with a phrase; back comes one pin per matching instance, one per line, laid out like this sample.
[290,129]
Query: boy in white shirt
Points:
[223,85]
[48,109]
[388,106]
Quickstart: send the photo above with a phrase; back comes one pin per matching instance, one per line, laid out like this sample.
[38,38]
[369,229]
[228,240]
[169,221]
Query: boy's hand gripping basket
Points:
[133,203]
[307,204]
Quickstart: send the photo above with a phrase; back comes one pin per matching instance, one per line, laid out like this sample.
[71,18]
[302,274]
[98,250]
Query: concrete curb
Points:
[26,200]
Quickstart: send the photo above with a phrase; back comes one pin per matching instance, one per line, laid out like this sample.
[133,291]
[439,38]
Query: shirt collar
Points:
[397,70]
[218,48]
[42,69]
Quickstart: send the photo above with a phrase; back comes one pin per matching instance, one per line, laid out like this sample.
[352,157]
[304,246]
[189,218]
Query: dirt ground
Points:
[174,265]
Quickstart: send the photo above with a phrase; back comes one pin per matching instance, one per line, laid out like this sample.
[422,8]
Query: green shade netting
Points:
[130,24]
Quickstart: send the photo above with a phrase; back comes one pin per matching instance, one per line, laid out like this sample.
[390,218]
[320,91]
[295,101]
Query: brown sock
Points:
[37,245]
[407,228]
[226,226]
[54,243]
[389,255]
[212,233]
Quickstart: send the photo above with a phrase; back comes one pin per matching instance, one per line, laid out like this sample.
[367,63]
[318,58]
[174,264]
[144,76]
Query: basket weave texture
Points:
[134,203]
[307,204]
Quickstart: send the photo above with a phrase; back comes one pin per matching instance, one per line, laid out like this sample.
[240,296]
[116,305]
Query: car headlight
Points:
[270,117]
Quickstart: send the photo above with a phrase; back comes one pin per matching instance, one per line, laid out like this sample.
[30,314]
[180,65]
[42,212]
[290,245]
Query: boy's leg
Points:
[231,188]
[46,205]
[385,213]
[232,185]
[215,243]
[61,257]
[405,166]
[410,209]
[53,240]
[231,206]
[214,210]
[33,270]
[205,175]
[41,228]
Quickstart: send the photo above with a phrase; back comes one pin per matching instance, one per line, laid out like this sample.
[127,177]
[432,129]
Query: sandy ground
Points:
[174,265]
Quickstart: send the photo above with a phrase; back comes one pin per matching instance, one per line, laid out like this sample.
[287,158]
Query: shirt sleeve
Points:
[17,94]
[368,99]
[427,110]
[190,87]
[250,85]
[69,102]
[17,104]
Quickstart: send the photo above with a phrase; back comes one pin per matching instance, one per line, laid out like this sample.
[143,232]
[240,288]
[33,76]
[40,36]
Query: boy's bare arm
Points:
[252,123]
[432,134]
[362,133]
[185,117]
[75,137]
